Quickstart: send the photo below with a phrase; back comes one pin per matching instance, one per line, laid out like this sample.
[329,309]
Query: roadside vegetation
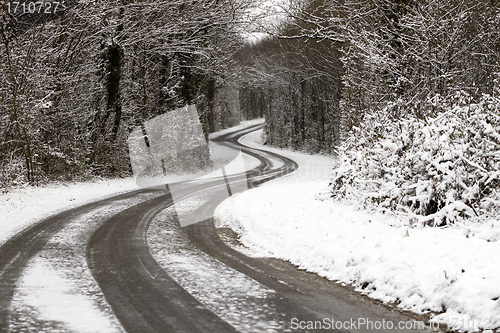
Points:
[405,93]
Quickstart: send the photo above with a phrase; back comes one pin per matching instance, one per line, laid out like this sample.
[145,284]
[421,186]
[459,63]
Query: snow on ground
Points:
[443,270]
[22,207]
[56,299]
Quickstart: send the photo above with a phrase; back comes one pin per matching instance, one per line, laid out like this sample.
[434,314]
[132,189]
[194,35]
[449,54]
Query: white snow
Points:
[56,298]
[22,207]
[452,271]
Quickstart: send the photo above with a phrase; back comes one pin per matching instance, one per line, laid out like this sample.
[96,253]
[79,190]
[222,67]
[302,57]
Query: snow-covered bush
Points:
[436,170]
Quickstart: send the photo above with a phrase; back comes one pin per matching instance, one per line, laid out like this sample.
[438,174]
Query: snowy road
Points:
[148,274]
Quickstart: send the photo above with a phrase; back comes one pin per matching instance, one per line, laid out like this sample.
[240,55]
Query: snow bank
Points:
[51,296]
[23,206]
[451,271]
[423,269]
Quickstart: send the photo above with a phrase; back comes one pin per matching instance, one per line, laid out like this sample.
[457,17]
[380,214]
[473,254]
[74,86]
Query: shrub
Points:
[437,169]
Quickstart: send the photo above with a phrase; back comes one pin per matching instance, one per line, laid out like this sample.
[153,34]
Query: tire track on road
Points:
[143,296]
[16,252]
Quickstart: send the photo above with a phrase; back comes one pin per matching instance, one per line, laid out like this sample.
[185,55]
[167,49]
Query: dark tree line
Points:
[294,81]
[75,83]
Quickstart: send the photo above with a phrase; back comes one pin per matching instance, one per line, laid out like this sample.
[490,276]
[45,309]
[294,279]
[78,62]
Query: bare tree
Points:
[80,80]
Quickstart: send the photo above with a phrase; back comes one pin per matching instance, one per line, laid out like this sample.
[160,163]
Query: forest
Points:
[74,83]
[405,93]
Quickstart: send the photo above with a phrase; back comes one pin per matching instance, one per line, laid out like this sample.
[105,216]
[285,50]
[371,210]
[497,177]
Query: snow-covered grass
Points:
[22,207]
[451,271]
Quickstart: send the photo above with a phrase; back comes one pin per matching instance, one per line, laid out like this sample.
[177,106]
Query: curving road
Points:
[145,296]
